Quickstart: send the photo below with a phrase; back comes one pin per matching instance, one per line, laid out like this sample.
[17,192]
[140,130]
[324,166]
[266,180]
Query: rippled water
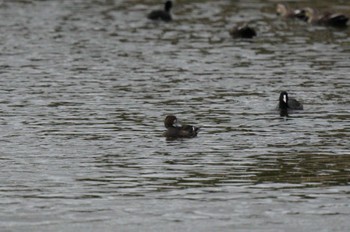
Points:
[84,89]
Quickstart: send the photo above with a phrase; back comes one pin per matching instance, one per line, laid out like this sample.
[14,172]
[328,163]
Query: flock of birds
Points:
[286,104]
[307,14]
[313,16]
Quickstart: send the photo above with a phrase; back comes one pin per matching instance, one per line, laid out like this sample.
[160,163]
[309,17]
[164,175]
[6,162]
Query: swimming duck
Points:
[177,131]
[287,12]
[326,19]
[163,15]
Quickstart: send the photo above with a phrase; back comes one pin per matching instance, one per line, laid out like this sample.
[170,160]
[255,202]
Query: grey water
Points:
[85,87]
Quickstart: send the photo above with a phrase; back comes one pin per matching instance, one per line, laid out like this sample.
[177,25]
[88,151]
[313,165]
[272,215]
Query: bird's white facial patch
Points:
[174,122]
[285,98]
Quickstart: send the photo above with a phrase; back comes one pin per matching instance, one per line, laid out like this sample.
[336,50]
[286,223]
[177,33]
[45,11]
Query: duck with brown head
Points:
[174,130]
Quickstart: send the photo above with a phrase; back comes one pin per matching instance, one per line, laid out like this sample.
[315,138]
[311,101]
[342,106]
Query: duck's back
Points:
[189,131]
[294,104]
[185,131]
[336,20]
[160,15]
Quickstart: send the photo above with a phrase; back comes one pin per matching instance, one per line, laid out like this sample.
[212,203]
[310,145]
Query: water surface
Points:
[84,89]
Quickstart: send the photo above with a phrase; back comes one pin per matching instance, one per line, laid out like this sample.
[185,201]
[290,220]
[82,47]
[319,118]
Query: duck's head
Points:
[281,9]
[168,5]
[283,101]
[170,121]
[310,14]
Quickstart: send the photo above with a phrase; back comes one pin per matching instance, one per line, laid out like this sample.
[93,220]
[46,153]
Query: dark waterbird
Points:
[175,130]
[325,19]
[285,104]
[243,31]
[163,15]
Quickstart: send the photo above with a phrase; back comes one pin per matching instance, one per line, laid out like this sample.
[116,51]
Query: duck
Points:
[174,130]
[163,15]
[285,104]
[243,31]
[325,19]
[286,12]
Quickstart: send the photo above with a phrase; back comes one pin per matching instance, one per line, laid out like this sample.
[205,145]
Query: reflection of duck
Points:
[287,12]
[162,14]
[177,131]
[243,31]
[286,103]
[326,19]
